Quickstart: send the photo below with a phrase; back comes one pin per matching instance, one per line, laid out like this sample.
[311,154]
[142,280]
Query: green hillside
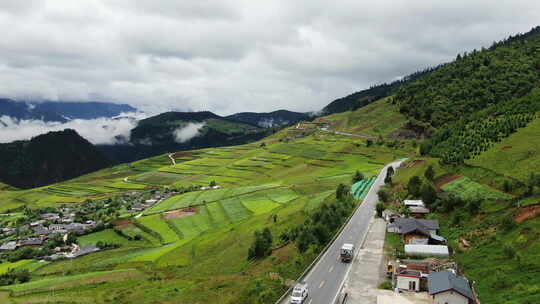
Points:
[378,118]
[517,155]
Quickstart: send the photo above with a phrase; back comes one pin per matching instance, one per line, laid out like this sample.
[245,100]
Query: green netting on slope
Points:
[360,189]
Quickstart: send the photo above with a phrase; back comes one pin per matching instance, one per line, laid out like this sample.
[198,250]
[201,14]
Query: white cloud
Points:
[187,132]
[236,55]
[97,131]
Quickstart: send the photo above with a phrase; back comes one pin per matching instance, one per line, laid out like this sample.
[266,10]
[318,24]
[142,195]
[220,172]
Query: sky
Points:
[239,55]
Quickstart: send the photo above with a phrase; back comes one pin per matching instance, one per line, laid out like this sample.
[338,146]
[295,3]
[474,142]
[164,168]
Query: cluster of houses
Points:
[140,203]
[48,226]
[421,240]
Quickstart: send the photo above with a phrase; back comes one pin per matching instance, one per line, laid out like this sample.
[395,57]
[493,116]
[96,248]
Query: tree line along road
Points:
[327,276]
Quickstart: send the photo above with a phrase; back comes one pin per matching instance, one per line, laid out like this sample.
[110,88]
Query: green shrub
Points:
[386,285]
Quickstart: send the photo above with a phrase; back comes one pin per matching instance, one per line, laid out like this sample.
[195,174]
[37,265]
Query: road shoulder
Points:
[367,270]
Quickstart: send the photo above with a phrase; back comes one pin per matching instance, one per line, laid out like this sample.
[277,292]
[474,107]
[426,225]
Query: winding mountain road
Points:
[327,276]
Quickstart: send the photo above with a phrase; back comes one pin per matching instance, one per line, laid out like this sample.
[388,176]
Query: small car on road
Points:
[347,253]
[299,293]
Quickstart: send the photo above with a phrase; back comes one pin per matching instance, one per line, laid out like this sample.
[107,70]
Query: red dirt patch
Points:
[506,148]
[527,213]
[443,180]
[179,213]
[182,154]
[122,223]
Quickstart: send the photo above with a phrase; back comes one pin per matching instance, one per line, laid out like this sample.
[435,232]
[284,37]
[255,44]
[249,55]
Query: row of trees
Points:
[14,277]
[322,224]
[463,141]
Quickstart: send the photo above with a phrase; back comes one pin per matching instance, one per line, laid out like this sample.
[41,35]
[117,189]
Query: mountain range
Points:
[54,111]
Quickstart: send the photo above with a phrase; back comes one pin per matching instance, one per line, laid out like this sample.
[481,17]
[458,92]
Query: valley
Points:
[195,244]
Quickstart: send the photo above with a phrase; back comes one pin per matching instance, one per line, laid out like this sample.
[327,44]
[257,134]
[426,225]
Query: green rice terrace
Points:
[192,244]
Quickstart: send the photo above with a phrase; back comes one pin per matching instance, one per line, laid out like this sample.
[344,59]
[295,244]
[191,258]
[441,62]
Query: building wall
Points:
[450,297]
[392,229]
[403,283]
[407,238]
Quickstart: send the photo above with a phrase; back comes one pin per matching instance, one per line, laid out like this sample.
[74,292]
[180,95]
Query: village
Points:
[424,271]
[51,233]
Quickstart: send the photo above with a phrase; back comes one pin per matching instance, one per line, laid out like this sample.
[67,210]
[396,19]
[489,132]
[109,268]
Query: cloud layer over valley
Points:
[97,131]
[236,55]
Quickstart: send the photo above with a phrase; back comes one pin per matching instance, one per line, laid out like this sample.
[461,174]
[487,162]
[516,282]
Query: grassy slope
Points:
[205,255]
[517,155]
[378,118]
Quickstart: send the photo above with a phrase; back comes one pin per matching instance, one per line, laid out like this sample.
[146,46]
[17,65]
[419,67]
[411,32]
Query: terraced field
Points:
[158,224]
[196,242]
[468,189]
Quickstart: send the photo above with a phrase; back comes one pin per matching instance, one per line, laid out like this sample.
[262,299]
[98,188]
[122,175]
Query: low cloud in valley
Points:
[187,132]
[97,131]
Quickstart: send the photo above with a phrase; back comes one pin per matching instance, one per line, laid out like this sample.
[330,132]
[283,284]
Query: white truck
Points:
[347,253]
[299,293]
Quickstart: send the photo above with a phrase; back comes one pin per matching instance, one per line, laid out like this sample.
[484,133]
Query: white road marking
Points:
[310,300]
[331,268]
[321,285]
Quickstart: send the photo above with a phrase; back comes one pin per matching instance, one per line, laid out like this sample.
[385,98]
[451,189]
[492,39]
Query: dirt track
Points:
[527,213]
[445,180]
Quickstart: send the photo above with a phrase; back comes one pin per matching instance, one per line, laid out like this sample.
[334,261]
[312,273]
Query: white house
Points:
[408,280]
[444,287]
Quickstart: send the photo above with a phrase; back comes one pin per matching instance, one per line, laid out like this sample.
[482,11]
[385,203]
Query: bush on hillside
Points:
[358,176]
[430,173]
[384,195]
[262,244]
[413,186]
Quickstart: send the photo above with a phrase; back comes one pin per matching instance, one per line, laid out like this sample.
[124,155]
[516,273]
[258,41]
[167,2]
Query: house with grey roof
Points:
[41,230]
[9,246]
[50,216]
[444,287]
[417,231]
[84,250]
[31,242]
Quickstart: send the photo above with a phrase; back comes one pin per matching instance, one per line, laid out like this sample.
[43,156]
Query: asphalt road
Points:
[327,276]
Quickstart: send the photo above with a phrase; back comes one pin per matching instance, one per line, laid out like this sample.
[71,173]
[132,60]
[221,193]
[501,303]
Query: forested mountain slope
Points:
[178,131]
[480,98]
[48,158]
[277,118]
[364,97]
